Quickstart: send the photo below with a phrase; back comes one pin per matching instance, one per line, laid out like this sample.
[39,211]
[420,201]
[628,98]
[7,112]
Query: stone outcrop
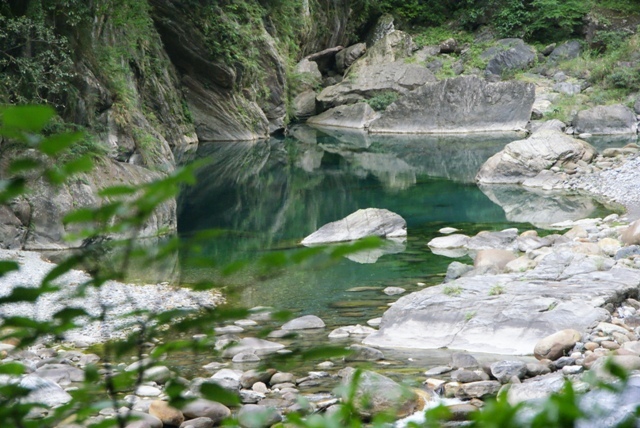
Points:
[361,224]
[356,116]
[458,105]
[370,80]
[526,158]
[348,56]
[509,55]
[606,120]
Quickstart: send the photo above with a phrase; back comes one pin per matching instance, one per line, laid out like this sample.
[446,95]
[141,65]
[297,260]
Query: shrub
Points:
[381,101]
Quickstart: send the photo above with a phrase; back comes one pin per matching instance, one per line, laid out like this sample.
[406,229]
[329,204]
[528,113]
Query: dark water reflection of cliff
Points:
[270,194]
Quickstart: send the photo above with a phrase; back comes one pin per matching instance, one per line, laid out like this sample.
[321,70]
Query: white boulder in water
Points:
[362,223]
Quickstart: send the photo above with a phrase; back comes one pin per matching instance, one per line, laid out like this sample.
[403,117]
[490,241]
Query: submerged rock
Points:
[362,223]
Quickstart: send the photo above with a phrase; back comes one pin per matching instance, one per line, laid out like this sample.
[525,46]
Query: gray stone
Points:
[484,388]
[461,360]
[526,158]
[536,388]
[606,120]
[250,377]
[304,323]
[144,420]
[487,240]
[245,357]
[304,105]
[348,56]
[158,374]
[455,270]
[459,105]
[249,344]
[62,374]
[567,88]
[362,223]
[450,241]
[503,371]
[201,422]
[509,55]
[357,116]
[565,51]
[393,291]
[496,259]
[282,377]
[376,393]
[43,391]
[363,353]
[206,408]
[465,376]
[556,295]
[257,416]
[366,81]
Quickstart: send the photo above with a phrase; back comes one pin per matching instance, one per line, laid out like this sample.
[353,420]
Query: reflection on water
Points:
[268,195]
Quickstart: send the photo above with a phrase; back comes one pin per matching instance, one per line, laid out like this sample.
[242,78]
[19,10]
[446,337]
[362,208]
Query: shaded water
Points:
[266,196]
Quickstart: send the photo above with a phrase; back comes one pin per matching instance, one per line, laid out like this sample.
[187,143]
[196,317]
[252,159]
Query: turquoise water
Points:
[265,197]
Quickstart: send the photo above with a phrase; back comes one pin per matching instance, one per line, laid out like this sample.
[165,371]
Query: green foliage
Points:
[35,63]
[496,290]
[381,101]
[452,290]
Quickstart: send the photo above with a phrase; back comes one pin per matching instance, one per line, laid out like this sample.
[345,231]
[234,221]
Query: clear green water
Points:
[267,196]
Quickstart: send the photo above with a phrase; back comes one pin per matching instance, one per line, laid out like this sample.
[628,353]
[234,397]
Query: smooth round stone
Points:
[282,377]
[260,387]
[229,329]
[435,371]
[448,230]
[148,391]
[198,423]
[256,416]
[325,365]
[393,291]
[206,408]
[245,357]
[571,370]
[159,374]
[245,323]
[304,323]
[374,322]
[167,414]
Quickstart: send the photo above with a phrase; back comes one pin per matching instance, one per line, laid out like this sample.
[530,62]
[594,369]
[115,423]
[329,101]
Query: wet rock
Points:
[451,241]
[364,353]
[362,223]
[304,323]
[554,346]
[393,291]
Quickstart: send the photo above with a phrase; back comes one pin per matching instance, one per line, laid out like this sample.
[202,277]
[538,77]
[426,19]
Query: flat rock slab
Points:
[362,223]
[511,323]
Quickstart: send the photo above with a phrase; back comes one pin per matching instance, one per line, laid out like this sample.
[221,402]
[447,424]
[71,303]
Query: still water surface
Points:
[266,196]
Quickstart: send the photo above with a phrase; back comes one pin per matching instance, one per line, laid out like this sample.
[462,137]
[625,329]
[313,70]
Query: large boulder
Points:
[509,55]
[368,81]
[527,158]
[458,105]
[606,120]
[348,56]
[467,314]
[376,394]
[362,223]
[565,51]
[357,116]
